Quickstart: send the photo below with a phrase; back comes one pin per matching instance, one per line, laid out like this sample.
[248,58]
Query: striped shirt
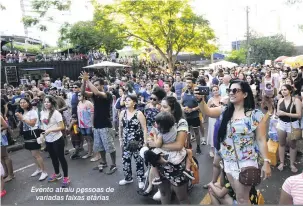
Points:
[294,187]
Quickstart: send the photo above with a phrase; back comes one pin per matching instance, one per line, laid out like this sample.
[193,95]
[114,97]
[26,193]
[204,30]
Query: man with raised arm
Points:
[103,131]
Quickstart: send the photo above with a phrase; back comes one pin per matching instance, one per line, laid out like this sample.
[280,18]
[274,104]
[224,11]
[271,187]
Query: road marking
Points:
[22,168]
[30,165]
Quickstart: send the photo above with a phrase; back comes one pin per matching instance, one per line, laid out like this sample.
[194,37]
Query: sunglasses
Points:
[75,87]
[154,99]
[27,96]
[234,90]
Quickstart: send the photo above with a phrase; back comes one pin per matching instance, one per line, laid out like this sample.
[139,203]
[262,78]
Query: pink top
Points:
[294,187]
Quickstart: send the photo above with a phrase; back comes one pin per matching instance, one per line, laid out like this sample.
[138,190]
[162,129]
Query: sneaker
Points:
[37,172]
[94,159]
[111,170]
[3,193]
[75,156]
[157,196]
[211,154]
[65,182]
[43,176]
[87,156]
[198,150]
[203,142]
[124,182]
[141,185]
[156,181]
[189,174]
[54,177]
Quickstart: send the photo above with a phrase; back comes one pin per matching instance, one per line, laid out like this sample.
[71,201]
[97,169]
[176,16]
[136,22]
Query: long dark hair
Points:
[54,106]
[175,107]
[249,105]
[30,106]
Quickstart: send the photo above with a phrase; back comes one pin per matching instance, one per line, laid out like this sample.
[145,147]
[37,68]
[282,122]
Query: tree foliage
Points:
[238,56]
[168,26]
[269,48]
[100,33]
[41,12]
[2,7]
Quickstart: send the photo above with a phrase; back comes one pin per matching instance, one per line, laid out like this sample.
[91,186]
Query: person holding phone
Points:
[242,129]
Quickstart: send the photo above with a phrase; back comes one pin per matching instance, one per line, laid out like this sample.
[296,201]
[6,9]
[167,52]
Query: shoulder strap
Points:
[236,154]
[290,110]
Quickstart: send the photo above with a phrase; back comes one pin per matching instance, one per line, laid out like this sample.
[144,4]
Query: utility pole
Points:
[247,36]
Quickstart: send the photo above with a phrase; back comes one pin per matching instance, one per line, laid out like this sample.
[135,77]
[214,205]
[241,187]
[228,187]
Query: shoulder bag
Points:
[296,133]
[249,176]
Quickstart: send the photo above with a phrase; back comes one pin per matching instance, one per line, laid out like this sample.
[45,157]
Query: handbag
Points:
[132,145]
[249,176]
[296,133]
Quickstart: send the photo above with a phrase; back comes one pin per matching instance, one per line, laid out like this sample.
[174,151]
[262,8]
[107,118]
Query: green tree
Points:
[100,33]
[41,12]
[81,34]
[270,48]
[238,56]
[2,7]
[168,26]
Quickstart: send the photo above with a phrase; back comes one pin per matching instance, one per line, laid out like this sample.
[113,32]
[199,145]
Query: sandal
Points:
[281,167]
[293,169]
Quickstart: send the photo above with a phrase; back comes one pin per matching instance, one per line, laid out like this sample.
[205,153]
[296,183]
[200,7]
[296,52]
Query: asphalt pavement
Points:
[91,187]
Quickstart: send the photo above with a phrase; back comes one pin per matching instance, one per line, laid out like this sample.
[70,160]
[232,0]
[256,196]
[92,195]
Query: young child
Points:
[76,138]
[165,133]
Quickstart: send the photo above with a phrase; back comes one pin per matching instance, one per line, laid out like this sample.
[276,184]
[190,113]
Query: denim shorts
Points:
[86,131]
[104,140]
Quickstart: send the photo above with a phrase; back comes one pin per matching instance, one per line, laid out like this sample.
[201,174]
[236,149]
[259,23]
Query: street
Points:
[92,187]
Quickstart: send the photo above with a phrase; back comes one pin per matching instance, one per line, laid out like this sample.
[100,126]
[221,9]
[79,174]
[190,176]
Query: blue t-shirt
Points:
[146,96]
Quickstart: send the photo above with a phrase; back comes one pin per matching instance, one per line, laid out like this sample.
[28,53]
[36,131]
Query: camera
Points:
[203,90]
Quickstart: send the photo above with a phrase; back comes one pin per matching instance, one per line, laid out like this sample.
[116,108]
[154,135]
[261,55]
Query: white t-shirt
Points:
[53,123]
[30,115]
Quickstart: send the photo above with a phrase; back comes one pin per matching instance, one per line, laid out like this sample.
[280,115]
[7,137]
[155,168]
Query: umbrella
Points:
[280,59]
[105,64]
[289,61]
[223,64]
[298,61]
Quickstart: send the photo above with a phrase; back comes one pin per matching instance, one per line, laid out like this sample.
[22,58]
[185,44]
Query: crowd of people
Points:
[157,117]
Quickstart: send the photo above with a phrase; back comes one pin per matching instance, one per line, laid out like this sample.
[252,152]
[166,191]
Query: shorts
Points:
[231,167]
[286,127]
[86,131]
[104,140]
[30,139]
[195,122]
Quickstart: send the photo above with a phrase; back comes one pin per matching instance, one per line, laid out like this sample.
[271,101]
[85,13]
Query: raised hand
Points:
[84,75]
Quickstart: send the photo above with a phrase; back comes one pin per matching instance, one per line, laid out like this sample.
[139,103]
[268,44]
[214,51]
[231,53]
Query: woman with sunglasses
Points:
[52,123]
[153,107]
[242,130]
[289,111]
[29,117]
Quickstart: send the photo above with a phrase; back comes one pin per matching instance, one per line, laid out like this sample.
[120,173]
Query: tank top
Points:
[132,128]
[283,108]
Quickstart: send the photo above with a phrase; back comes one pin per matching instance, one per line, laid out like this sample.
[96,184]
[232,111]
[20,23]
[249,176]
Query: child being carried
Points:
[164,133]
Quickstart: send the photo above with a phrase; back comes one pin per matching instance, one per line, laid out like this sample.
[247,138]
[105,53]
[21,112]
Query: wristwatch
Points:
[267,160]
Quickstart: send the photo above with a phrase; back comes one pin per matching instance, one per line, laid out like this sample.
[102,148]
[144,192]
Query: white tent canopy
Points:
[223,64]
[105,64]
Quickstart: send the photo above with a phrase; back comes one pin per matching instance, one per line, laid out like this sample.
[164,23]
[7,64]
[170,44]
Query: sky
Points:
[226,17]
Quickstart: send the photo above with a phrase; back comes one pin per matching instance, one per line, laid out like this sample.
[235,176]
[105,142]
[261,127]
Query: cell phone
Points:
[203,90]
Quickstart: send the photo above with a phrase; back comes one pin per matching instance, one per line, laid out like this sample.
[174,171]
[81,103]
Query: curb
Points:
[15,147]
